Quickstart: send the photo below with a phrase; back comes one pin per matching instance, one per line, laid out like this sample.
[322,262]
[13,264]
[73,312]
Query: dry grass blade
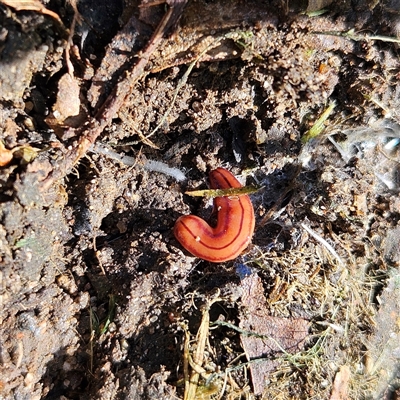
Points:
[324,243]
[192,378]
[319,124]
[212,193]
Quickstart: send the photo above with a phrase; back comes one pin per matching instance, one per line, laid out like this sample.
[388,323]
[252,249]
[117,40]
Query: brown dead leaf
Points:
[270,336]
[341,384]
[5,155]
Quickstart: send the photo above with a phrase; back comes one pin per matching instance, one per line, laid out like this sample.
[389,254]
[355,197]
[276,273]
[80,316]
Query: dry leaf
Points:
[276,334]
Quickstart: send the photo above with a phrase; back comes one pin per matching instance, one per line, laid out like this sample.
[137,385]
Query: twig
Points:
[111,106]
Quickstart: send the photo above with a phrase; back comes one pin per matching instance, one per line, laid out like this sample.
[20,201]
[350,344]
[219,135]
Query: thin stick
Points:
[92,129]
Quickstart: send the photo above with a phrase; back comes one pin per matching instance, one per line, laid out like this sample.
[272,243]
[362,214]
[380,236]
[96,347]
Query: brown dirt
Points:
[97,295]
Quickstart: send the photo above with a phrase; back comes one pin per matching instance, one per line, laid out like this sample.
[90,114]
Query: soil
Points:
[300,101]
